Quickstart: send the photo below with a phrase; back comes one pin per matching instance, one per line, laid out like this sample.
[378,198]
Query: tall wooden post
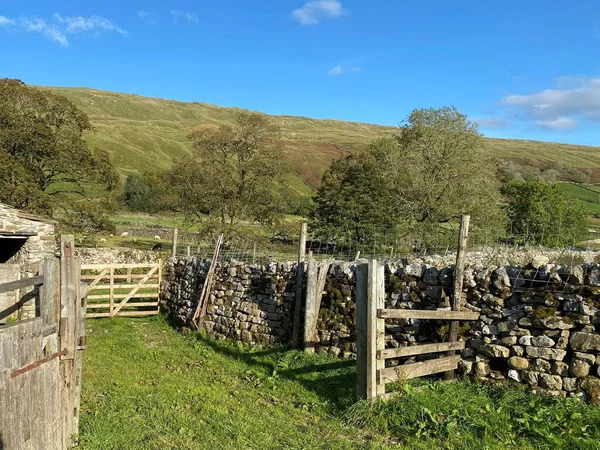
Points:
[111,291]
[370,330]
[299,286]
[459,273]
[175,232]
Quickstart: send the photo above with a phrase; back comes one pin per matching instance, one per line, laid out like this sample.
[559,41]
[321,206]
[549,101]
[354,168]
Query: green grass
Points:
[588,196]
[147,386]
[144,133]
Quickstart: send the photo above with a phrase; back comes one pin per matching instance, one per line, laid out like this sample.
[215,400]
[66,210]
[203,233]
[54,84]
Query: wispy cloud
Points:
[147,16]
[337,70]
[5,21]
[190,16]
[58,27]
[559,108]
[494,123]
[312,12]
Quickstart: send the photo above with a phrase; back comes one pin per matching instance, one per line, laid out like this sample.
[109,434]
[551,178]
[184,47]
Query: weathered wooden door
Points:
[122,289]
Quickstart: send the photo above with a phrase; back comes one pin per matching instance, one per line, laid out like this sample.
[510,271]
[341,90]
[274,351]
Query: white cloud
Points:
[558,109]
[81,24]
[558,124]
[5,21]
[58,27]
[494,123]
[190,16]
[313,11]
[337,70]
[147,16]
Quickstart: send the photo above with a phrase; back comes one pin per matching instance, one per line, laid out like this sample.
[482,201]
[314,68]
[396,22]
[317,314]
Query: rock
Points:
[431,275]
[495,351]
[509,340]
[465,367]
[518,363]
[502,280]
[562,342]
[545,353]
[538,261]
[434,292]
[570,384]
[584,342]
[518,350]
[514,375]
[530,377]
[490,330]
[482,368]
[553,323]
[542,341]
[591,386]
[572,275]
[540,365]
[414,270]
[552,382]
[579,368]
[560,368]
[588,358]
[525,340]
[594,278]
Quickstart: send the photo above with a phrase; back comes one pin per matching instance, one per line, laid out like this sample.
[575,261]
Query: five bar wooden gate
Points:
[122,289]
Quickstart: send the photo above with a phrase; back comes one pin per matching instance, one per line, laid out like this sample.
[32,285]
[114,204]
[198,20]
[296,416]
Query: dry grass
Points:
[147,133]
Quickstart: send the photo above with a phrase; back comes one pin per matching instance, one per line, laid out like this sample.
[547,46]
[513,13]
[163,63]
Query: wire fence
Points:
[491,247]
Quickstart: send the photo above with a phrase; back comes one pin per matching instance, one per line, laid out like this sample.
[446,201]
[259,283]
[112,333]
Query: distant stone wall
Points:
[119,255]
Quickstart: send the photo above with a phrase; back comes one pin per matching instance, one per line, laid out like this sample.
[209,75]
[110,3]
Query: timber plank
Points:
[426,314]
[420,349]
[20,284]
[418,369]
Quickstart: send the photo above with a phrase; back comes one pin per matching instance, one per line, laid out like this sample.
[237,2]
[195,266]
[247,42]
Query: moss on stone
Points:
[543,312]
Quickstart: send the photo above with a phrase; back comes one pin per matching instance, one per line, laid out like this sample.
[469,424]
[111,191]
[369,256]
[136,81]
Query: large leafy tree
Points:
[234,172]
[45,163]
[428,175]
[540,213]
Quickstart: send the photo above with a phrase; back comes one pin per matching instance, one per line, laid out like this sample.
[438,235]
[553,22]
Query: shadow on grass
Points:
[334,382]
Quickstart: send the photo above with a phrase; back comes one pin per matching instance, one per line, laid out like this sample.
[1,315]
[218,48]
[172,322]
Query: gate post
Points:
[370,330]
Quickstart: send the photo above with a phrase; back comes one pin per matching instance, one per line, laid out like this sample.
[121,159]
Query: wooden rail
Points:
[426,314]
[20,284]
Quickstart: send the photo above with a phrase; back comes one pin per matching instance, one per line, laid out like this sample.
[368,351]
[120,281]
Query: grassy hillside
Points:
[148,133]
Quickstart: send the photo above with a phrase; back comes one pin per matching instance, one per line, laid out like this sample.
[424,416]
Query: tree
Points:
[432,172]
[540,213]
[44,159]
[233,173]
[149,192]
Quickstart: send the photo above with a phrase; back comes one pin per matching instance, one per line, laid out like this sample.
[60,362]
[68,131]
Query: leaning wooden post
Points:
[175,242]
[459,273]
[299,286]
[309,306]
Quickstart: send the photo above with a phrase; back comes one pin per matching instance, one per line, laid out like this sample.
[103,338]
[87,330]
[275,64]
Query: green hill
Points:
[144,133]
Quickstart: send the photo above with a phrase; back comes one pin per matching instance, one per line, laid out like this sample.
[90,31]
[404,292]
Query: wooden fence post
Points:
[111,292]
[459,271]
[299,286]
[50,291]
[370,330]
[361,274]
[175,232]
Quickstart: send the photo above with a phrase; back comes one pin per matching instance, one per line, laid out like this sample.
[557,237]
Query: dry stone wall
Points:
[539,324]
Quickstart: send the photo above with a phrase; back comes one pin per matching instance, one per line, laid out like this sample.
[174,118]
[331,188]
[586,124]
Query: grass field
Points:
[144,133]
[147,386]
[588,196]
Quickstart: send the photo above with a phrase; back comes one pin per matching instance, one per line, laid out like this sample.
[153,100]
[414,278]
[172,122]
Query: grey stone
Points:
[495,351]
[518,350]
[542,341]
[579,368]
[560,368]
[514,375]
[587,357]
[465,367]
[482,368]
[545,353]
[570,384]
[553,323]
[585,341]
[553,382]
[516,362]
[490,330]
[530,377]
[525,340]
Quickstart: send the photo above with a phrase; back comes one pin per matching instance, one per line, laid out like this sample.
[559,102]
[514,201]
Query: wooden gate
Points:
[41,358]
[122,289]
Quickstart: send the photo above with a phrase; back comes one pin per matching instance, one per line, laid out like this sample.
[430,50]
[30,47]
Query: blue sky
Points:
[522,69]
